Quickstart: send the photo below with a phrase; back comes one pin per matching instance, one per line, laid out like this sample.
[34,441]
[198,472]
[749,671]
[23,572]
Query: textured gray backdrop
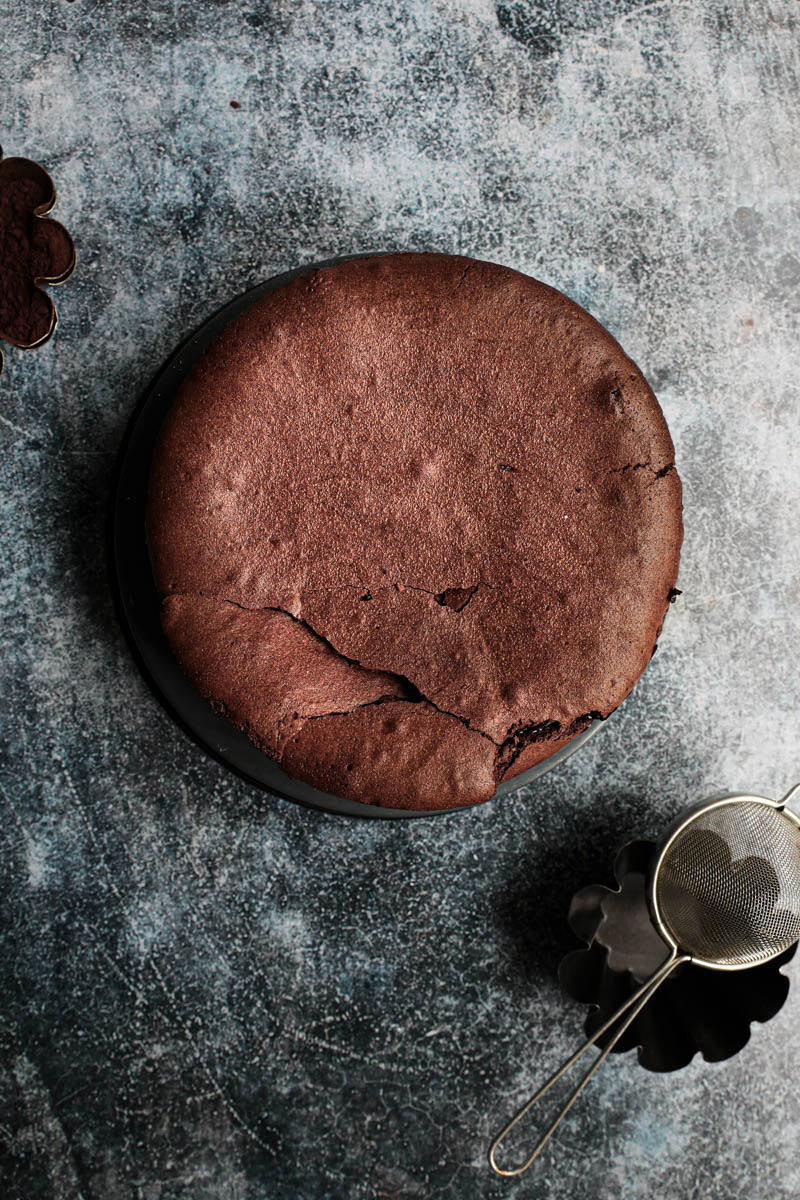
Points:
[205,992]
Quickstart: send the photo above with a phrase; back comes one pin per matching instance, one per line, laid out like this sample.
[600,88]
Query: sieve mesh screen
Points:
[728,886]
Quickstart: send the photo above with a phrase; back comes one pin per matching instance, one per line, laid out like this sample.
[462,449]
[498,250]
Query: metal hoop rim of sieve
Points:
[686,818]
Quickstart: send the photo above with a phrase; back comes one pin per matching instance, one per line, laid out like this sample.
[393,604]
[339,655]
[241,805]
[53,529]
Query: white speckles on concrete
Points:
[216,995]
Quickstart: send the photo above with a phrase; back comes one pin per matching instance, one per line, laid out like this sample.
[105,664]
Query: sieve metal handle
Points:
[792,794]
[633,1006]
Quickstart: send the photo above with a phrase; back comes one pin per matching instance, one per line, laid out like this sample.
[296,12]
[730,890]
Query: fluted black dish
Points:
[696,1011]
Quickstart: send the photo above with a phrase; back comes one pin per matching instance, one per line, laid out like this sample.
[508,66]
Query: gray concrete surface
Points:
[210,994]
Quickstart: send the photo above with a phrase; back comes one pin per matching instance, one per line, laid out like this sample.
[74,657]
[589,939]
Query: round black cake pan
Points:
[139,603]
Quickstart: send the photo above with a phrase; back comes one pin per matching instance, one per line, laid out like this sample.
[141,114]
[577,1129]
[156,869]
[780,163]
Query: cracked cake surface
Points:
[416,522]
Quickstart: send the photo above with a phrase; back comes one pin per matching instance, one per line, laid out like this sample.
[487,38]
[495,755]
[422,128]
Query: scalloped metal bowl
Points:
[14,169]
[697,1011]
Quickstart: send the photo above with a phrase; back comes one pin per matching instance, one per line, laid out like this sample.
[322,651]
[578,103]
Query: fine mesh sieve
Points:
[726,887]
[724,894]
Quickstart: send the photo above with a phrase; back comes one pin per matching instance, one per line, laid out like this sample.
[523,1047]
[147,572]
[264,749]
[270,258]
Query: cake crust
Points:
[416,521]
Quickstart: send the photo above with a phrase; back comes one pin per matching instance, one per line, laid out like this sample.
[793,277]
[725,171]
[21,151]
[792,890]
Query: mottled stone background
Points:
[208,993]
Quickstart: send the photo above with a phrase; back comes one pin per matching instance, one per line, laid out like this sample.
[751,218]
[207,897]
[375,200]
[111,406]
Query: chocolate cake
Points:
[416,522]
